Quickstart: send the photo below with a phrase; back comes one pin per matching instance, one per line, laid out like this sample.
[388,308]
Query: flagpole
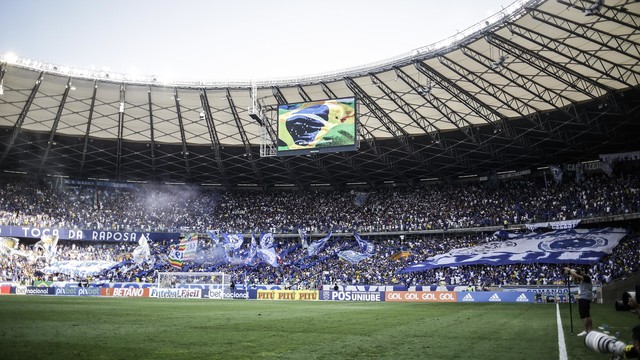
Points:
[569,295]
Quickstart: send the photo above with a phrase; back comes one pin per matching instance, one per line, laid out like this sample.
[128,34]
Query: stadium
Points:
[424,206]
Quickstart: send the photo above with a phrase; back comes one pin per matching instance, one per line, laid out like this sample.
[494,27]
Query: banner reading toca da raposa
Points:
[86,235]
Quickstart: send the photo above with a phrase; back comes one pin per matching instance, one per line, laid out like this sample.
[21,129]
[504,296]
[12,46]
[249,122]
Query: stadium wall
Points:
[613,291]
[277,295]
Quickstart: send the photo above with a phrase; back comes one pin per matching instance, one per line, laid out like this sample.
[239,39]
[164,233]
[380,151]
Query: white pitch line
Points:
[562,347]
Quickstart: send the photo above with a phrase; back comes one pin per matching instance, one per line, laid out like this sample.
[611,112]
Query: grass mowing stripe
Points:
[44,327]
[562,347]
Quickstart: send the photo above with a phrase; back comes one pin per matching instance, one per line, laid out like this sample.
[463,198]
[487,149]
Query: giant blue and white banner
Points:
[78,267]
[353,257]
[555,225]
[571,246]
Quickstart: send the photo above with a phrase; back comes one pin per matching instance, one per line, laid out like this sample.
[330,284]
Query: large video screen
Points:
[317,127]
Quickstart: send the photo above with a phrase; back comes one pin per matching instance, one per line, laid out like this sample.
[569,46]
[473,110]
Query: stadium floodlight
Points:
[10,58]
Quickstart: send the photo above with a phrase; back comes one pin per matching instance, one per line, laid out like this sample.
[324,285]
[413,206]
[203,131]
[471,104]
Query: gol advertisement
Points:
[421,296]
[304,295]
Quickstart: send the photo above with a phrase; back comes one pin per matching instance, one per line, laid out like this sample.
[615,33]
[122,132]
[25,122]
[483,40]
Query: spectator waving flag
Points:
[213,234]
[266,240]
[317,246]
[175,258]
[304,239]
[141,254]
[189,247]
[366,246]
[269,256]
[556,172]
[253,251]
[233,241]
[361,198]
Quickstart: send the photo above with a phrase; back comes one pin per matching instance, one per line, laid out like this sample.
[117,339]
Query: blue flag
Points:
[266,240]
[253,251]
[233,241]
[304,239]
[213,234]
[317,246]
[269,256]
[366,247]
[556,172]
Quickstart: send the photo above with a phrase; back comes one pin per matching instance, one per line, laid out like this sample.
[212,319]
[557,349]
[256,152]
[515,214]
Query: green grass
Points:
[39,327]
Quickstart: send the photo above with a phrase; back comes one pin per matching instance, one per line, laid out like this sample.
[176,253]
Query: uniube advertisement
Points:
[353,295]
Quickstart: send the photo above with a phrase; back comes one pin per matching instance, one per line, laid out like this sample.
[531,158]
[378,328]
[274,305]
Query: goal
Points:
[212,280]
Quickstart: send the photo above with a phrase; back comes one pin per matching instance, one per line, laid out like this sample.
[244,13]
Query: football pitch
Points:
[42,327]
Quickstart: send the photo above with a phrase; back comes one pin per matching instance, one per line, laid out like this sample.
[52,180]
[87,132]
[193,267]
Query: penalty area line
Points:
[562,347]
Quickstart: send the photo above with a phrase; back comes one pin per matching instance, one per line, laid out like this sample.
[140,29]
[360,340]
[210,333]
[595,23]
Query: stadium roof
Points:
[546,83]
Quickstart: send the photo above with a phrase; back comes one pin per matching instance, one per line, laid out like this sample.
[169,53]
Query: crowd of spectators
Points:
[296,269]
[164,208]
[158,208]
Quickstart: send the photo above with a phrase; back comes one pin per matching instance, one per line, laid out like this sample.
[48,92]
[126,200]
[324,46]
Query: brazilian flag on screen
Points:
[316,124]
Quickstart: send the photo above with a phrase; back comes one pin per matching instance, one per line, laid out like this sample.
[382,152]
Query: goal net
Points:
[212,280]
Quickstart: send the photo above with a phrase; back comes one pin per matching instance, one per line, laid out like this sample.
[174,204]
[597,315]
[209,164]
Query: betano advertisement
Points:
[125,292]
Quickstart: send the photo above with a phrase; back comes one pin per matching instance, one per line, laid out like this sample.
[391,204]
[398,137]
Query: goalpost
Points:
[212,280]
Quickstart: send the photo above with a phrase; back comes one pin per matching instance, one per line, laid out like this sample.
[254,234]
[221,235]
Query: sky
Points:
[214,40]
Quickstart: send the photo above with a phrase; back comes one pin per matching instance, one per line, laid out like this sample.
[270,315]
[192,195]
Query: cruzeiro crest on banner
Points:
[572,242]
